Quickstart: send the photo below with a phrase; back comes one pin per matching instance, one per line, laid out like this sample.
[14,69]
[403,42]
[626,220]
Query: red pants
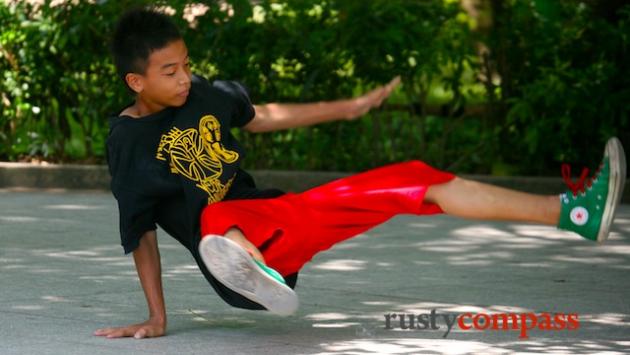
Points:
[290,229]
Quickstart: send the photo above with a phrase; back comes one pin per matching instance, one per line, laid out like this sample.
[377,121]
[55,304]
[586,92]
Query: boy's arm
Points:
[275,116]
[147,259]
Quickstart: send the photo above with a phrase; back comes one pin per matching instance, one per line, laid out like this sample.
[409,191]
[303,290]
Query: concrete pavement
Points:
[63,275]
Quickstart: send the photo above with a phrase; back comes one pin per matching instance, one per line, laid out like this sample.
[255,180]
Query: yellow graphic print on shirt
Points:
[199,156]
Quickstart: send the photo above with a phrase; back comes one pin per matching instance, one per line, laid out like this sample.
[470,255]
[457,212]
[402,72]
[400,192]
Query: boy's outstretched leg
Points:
[587,209]
[289,230]
[475,200]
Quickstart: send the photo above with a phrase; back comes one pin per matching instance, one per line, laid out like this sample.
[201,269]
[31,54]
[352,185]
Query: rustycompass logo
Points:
[517,322]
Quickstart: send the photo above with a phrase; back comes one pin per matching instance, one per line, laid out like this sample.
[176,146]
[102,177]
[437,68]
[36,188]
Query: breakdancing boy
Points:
[174,163]
[170,152]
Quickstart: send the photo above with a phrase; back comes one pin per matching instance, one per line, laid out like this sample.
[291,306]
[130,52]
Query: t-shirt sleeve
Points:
[243,108]
[136,217]
[136,210]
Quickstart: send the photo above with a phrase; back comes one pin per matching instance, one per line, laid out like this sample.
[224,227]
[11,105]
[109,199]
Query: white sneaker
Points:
[231,265]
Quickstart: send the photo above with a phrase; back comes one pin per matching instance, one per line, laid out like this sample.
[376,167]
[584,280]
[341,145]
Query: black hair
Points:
[139,32]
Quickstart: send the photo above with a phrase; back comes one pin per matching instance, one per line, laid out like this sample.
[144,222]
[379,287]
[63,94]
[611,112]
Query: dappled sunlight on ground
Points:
[341,265]
[18,219]
[405,346]
[75,207]
[455,347]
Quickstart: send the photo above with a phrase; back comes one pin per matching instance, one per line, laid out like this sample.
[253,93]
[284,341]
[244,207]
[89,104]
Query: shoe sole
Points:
[231,265]
[616,183]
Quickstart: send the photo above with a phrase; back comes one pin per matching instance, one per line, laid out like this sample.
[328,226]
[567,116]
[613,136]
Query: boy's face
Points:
[166,81]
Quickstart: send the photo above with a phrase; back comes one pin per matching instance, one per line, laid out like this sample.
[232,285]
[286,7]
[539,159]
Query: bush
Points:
[552,84]
[570,87]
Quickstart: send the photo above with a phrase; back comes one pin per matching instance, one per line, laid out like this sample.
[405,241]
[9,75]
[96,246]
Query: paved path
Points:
[63,275]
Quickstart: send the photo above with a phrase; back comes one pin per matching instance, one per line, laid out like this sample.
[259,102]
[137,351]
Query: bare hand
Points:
[362,104]
[148,329]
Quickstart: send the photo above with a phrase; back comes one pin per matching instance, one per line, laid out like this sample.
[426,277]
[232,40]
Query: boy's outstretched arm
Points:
[275,116]
[147,259]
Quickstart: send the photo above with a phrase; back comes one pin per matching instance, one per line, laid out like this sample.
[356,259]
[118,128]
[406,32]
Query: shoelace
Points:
[582,183]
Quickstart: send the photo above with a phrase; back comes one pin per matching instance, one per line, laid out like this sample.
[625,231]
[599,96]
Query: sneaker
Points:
[588,209]
[235,268]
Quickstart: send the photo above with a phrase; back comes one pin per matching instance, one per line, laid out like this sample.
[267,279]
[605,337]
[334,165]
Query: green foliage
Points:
[552,86]
[58,83]
[571,88]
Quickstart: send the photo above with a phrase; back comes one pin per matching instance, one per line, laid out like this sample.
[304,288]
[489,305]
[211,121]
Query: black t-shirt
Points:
[167,166]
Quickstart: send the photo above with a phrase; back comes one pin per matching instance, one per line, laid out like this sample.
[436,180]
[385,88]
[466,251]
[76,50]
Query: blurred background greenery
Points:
[500,87]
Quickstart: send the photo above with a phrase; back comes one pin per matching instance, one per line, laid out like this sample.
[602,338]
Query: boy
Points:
[183,164]
[171,153]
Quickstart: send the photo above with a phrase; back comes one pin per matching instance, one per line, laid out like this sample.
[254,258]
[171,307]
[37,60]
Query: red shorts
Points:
[289,230]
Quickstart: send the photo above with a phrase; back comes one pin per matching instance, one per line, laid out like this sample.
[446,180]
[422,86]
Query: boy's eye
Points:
[170,74]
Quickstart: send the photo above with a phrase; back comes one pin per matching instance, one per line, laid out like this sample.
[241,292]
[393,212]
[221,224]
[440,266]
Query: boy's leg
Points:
[237,262]
[588,209]
[291,229]
[318,218]
[475,200]
[315,220]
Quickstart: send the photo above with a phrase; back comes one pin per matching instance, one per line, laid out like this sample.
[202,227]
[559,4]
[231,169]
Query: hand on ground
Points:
[148,329]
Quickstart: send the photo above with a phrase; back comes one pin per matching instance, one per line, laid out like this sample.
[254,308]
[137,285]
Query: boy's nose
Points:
[185,79]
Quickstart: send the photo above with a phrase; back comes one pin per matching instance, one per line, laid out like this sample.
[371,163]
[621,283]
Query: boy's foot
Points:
[239,271]
[589,208]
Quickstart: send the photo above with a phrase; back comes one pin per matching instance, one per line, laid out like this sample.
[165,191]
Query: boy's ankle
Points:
[238,237]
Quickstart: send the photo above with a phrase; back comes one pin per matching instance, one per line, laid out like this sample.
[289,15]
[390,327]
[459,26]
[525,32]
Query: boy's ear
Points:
[135,82]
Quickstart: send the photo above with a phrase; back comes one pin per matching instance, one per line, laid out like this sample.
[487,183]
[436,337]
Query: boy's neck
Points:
[143,107]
